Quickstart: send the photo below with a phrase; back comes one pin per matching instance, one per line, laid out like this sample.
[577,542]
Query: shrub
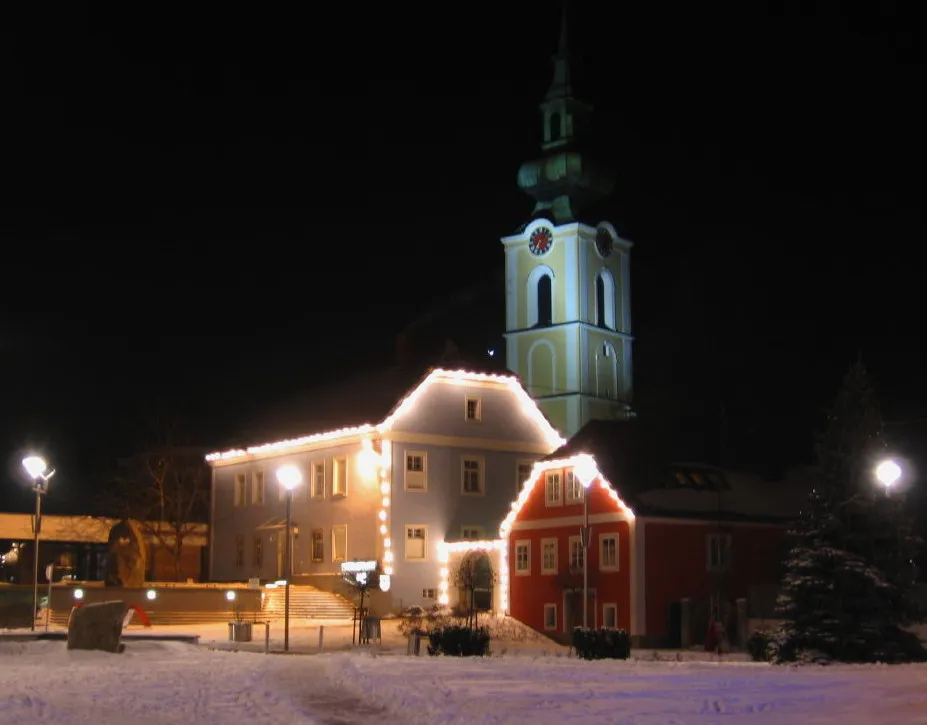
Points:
[601,644]
[758,646]
[458,641]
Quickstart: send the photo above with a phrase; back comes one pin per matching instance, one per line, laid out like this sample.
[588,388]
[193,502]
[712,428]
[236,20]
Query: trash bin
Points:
[414,645]
[370,629]
[240,631]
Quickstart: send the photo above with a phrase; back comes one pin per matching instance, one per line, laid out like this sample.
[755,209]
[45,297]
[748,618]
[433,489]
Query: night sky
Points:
[208,213]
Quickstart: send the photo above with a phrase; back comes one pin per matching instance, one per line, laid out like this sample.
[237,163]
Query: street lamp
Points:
[39,472]
[887,473]
[289,477]
[585,471]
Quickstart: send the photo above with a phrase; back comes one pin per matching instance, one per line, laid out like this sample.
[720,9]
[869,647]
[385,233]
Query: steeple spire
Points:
[560,86]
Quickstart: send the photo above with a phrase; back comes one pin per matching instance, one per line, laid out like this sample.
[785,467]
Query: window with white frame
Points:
[416,471]
[719,552]
[257,488]
[318,545]
[610,616]
[576,553]
[257,552]
[416,543]
[608,552]
[522,557]
[340,476]
[550,616]
[239,550]
[241,489]
[429,594]
[522,475]
[473,409]
[548,556]
[339,543]
[472,533]
[318,479]
[553,490]
[471,483]
[574,489]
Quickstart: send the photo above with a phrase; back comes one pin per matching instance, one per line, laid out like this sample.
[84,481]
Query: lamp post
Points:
[585,471]
[887,473]
[289,477]
[39,472]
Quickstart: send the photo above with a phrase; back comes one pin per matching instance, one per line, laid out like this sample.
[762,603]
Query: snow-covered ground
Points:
[527,681]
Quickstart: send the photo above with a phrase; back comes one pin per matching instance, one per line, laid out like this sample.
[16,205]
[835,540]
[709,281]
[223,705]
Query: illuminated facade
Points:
[443,466]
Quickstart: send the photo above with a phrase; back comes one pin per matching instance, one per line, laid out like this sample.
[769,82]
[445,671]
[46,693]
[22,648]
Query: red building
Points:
[671,544]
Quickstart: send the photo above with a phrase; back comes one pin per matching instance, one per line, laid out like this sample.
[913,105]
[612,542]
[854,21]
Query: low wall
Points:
[173,604]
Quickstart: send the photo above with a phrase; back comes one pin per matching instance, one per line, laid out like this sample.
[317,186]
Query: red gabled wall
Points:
[529,593]
[675,565]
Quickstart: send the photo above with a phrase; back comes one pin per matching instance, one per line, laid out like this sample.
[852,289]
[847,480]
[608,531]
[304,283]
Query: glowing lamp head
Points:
[230,595]
[35,466]
[887,473]
[289,477]
[585,470]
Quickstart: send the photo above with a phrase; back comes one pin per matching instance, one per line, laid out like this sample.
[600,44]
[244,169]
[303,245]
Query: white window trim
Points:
[481,531]
[405,544]
[240,493]
[545,570]
[424,474]
[343,461]
[518,464]
[335,530]
[482,461]
[606,607]
[728,548]
[602,539]
[526,543]
[312,558]
[315,469]
[568,500]
[572,540]
[547,627]
[254,487]
[479,408]
[550,503]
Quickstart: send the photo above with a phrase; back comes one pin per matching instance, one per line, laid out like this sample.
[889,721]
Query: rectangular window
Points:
[550,616]
[610,616]
[522,474]
[257,488]
[239,550]
[553,492]
[318,480]
[429,594]
[416,471]
[574,489]
[548,556]
[339,543]
[416,543]
[258,552]
[472,476]
[472,533]
[576,553]
[719,552]
[318,545]
[608,552]
[340,477]
[522,557]
[473,409]
[241,489]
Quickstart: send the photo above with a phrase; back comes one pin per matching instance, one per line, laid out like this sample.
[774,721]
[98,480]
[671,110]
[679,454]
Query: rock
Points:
[97,626]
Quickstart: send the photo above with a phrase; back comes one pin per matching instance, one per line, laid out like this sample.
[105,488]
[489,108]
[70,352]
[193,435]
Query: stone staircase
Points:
[306,602]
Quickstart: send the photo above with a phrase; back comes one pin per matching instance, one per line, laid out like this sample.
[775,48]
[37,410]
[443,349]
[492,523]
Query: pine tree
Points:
[846,591]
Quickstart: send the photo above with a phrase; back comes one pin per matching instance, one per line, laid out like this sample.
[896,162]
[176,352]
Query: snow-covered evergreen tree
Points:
[848,575]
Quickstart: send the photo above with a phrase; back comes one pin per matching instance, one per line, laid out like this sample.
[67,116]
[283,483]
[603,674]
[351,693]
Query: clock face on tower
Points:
[542,239]
[603,242]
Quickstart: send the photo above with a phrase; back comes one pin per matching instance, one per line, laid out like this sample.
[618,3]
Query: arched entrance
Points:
[475,580]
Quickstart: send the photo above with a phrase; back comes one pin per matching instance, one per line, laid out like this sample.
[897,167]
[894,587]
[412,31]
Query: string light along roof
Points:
[579,461]
[406,404]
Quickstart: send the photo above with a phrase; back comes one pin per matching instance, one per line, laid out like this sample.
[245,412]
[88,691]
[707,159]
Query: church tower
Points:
[567,289]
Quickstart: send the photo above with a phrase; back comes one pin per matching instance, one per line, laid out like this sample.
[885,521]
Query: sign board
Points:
[49,571]
[352,567]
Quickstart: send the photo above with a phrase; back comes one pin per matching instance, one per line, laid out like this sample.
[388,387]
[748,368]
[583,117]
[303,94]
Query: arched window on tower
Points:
[605,300]
[553,127]
[606,372]
[545,302]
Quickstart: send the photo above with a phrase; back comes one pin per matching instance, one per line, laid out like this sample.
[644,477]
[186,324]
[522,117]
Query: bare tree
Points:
[165,488]
[473,574]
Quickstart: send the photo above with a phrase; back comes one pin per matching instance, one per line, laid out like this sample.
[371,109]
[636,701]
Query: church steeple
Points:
[563,180]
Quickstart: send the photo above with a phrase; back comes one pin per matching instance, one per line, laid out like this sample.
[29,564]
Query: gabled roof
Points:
[630,454]
[364,405]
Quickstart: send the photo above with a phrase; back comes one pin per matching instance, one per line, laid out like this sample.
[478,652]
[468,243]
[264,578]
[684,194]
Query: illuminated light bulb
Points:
[384,488]
[388,569]
[387,543]
[444,572]
[386,502]
[383,528]
[443,599]
[388,556]
[382,515]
